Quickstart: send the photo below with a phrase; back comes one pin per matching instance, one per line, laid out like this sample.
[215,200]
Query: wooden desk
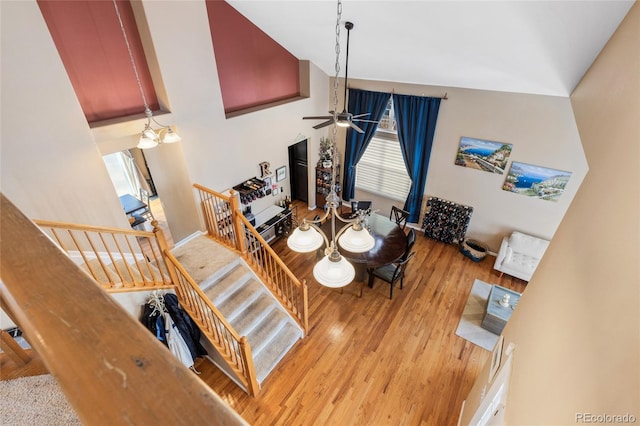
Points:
[131,204]
[390,243]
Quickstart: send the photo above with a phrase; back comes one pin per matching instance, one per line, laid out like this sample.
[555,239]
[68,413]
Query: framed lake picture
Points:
[536,181]
[484,155]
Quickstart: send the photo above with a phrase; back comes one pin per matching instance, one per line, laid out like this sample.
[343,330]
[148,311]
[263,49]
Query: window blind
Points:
[381,169]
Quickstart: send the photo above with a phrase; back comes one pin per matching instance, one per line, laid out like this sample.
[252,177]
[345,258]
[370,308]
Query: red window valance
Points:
[89,40]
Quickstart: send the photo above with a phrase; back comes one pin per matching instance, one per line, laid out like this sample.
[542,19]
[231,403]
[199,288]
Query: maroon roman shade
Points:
[253,69]
[89,40]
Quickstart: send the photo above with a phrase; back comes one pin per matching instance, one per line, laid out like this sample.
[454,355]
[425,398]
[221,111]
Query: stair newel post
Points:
[164,248]
[305,303]
[249,368]
[237,222]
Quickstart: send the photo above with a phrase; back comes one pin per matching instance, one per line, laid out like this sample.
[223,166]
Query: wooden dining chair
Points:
[391,273]
[145,198]
[400,216]
[411,240]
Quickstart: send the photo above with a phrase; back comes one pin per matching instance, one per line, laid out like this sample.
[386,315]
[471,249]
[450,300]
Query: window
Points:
[90,43]
[381,169]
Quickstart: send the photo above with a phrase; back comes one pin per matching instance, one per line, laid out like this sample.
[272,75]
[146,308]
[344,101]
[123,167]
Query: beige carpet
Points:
[36,400]
[469,327]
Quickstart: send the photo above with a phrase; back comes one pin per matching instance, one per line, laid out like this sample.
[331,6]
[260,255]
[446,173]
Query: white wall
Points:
[543,132]
[45,137]
[50,165]
[576,329]
[51,161]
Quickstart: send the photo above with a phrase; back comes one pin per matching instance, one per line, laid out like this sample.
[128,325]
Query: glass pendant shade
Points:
[148,139]
[356,241]
[305,241]
[171,136]
[334,274]
[342,123]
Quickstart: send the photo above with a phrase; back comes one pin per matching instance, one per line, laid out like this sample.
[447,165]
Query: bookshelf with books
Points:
[323,183]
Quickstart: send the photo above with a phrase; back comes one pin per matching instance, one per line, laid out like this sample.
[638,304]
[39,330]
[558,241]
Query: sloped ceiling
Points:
[539,47]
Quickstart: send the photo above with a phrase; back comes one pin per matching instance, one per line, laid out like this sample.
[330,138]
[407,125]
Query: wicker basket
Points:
[474,249]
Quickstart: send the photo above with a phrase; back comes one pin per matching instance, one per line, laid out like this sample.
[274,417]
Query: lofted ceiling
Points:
[538,47]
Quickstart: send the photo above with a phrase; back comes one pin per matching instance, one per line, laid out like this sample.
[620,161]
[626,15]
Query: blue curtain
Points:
[360,102]
[416,119]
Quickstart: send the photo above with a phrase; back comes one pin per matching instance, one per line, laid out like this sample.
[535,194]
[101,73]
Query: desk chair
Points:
[400,216]
[391,273]
[144,197]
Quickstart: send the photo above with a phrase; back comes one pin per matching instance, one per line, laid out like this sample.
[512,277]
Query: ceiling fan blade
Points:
[356,128]
[320,117]
[326,123]
[362,115]
[365,121]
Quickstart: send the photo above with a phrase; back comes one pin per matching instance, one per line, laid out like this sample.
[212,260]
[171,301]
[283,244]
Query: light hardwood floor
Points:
[371,360]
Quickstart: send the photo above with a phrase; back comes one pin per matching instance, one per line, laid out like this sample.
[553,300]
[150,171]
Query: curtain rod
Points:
[444,98]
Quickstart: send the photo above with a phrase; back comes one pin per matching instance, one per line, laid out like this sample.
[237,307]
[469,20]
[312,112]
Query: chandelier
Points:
[333,270]
[150,137]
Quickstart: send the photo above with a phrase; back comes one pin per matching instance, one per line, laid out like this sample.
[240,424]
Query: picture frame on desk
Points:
[267,185]
[281,173]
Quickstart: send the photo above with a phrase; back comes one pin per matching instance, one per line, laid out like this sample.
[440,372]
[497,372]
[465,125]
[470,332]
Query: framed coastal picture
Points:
[536,181]
[481,154]
[281,173]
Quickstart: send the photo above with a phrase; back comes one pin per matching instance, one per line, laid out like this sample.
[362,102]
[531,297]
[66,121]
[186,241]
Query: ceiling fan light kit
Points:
[344,118]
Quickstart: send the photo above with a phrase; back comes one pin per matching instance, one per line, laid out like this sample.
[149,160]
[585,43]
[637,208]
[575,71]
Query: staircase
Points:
[244,301]
[249,306]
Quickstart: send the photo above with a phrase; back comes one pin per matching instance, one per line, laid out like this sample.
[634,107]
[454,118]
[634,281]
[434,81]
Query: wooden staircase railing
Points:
[226,224]
[118,259]
[233,348]
[126,260]
[85,337]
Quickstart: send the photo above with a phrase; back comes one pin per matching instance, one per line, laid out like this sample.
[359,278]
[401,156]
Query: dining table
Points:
[390,243]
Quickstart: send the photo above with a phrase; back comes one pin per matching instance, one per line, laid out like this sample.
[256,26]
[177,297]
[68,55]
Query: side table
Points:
[496,315]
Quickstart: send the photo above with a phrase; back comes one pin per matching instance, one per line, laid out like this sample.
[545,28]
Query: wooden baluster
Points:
[237,223]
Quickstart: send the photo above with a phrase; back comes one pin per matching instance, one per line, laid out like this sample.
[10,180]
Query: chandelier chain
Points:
[334,128]
[133,62]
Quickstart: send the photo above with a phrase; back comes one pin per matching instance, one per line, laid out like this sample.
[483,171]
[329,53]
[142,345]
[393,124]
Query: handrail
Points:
[227,224]
[264,261]
[230,345]
[217,210]
[118,259]
[85,337]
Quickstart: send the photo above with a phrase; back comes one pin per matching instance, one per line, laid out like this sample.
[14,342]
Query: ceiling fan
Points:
[344,118]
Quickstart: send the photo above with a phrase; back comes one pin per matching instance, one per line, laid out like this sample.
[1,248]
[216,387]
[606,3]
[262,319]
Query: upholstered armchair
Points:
[519,255]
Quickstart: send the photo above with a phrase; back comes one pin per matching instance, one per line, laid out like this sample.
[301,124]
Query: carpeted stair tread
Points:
[235,304]
[121,273]
[261,335]
[275,350]
[253,314]
[224,286]
[98,273]
[137,272]
[203,258]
